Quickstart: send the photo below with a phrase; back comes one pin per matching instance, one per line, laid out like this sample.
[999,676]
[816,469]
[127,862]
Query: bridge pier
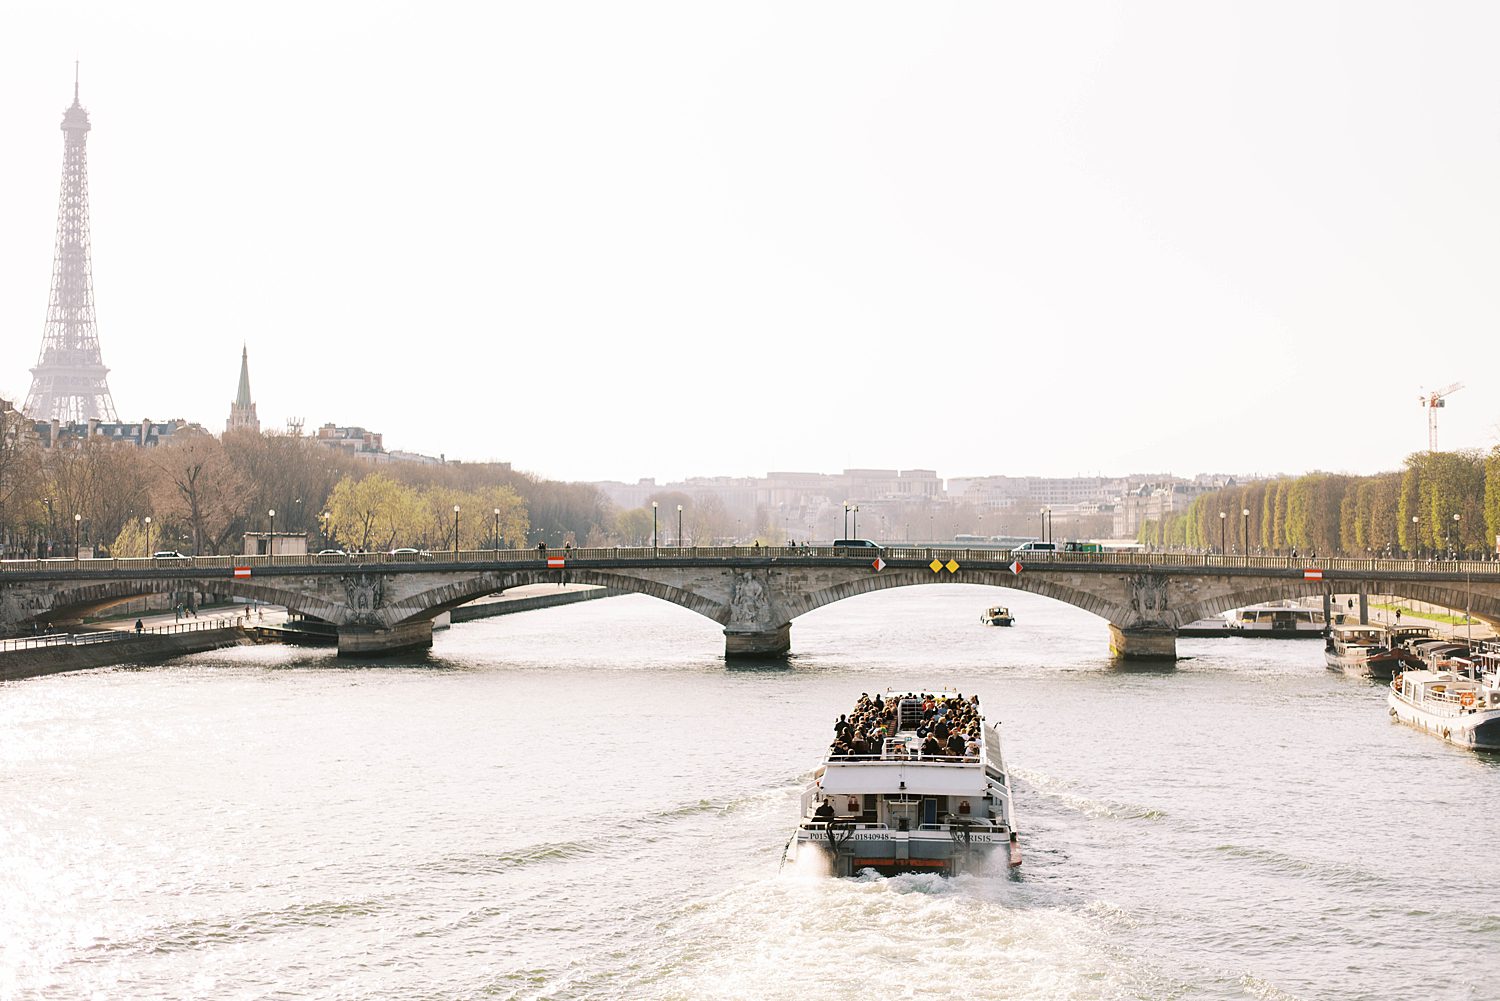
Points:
[771,642]
[1151,643]
[368,641]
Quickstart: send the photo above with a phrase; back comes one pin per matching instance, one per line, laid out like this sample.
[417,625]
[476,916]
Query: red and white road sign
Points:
[1016,568]
[242,571]
[879,563]
[555,562]
[1312,575]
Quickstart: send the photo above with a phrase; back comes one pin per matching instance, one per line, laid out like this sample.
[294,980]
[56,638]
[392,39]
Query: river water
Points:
[586,802]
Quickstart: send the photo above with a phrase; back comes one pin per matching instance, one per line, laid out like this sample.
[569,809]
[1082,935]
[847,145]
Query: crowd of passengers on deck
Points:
[946,728]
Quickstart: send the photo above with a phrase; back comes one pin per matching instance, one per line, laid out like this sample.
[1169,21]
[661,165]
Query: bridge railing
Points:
[97,636]
[718,554]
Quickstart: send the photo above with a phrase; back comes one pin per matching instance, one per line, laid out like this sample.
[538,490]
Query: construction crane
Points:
[1432,401]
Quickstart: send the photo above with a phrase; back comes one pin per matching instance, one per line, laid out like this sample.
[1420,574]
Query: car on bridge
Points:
[860,544]
[170,556]
[331,556]
[406,554]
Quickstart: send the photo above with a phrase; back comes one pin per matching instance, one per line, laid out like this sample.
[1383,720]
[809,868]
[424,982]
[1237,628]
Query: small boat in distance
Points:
[914,782]
[1460,703]
[998,615]
[1367,651]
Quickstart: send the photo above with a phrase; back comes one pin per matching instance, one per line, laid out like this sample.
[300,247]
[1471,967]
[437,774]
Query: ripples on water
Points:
[586,802]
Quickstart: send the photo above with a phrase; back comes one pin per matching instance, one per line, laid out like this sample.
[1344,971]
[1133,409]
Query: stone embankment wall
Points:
[33,663]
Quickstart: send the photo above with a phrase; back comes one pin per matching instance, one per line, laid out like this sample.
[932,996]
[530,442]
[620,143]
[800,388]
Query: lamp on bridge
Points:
[1245,533]
[679,526]
[455,533]
[327,540]
[846,519]
[77,536]
[271,537]
[856,521]
[1222,522]
[1413,540]
[148,535]
[1454,547]
[653,528]
[497,533]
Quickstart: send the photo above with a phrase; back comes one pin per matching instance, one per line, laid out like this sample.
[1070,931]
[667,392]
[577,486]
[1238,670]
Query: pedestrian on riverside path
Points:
[177,613]
[1398,616]
[139,628]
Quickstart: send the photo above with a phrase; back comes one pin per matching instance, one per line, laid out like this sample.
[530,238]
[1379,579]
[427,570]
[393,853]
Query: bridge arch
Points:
[75,602]
[1048,587]
[446,597]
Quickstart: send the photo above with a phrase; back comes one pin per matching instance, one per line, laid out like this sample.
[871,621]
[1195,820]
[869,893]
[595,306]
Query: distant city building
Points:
[69,381]
[242,410]
[370,446]
[351,439]
[143,434]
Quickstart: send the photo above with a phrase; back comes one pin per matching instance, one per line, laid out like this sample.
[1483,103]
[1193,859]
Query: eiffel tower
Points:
[68,383]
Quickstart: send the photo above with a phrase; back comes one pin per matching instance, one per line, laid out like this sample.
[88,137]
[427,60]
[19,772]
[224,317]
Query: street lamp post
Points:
[1223,521]
[679,528]
[846,519]
[271,537]
[455,533]
[1454,548]
[653,528]
[497,533]
[1245,533]
[77,537]
[856,522]
[327,540]
[1413,539]
[148,535]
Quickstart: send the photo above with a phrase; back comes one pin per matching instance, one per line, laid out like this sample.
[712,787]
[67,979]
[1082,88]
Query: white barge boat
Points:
[1459,702]
[1278,620]
[914,782]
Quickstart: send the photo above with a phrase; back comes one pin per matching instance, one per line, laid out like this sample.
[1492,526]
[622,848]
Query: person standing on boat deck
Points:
[824,812]
[941,730]
[930,747]
[956,746]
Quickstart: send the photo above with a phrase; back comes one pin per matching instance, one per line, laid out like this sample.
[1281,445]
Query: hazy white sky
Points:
[609,240]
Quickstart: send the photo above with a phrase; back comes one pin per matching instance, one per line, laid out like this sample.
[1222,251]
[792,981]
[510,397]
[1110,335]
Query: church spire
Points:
[242,398]
[242,410]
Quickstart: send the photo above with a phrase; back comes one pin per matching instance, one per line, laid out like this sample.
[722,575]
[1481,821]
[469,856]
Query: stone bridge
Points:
[382,602]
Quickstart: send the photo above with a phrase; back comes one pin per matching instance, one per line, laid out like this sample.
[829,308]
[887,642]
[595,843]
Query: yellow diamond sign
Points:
[936,566]
[952,566]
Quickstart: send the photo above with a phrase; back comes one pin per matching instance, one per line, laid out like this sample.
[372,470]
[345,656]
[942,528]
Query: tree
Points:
[198,485]
[372,513]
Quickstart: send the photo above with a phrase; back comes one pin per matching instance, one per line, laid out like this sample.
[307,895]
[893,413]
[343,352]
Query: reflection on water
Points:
[588,802]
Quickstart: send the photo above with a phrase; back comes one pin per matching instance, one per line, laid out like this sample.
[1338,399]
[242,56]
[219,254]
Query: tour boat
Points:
[1367,651]
[1460,704]
[896,808]
[999,615]
[1278,620]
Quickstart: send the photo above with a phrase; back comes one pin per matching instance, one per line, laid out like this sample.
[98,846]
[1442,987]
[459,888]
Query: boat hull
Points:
[891,853]
[1381,667]
[1477,730]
